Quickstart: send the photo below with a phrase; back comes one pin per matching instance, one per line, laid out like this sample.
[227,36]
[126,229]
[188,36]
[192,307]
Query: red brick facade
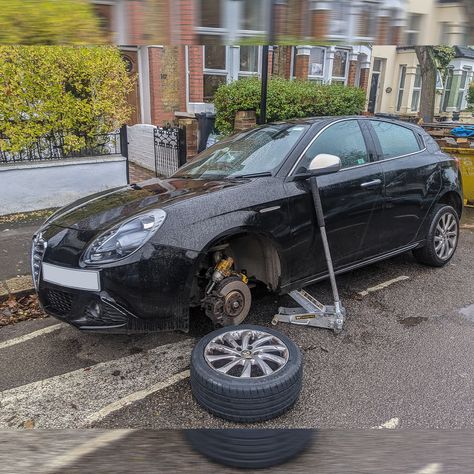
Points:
[364,78]
[196,78]
[319,23]
[382,30]
[351,79]
[302,66]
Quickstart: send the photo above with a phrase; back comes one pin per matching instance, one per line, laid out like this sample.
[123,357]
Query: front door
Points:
[351,199]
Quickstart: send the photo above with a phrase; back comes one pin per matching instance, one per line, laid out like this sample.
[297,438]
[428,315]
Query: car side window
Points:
[343,139]
[395,140]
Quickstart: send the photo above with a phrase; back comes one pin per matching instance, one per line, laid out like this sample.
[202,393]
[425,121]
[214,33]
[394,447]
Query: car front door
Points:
[351,199]
[412,182]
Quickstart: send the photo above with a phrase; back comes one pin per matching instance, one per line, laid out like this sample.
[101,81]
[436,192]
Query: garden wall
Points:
[29,186]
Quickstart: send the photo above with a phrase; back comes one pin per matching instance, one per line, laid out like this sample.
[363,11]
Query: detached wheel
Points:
[442,238]
[249,449]
[246,373]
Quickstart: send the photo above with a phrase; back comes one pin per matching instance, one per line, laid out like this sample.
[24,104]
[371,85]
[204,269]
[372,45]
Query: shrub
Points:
[76,91]
[470,96]
[285,100]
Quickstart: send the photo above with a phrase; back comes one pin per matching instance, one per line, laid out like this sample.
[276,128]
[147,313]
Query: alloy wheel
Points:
[446,236]
[246,353]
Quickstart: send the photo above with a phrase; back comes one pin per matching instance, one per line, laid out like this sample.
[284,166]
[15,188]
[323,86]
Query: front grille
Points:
[59,302]
[37,253]
[111,316]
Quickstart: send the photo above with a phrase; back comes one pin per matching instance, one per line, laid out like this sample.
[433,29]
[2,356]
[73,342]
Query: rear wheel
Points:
[442,238]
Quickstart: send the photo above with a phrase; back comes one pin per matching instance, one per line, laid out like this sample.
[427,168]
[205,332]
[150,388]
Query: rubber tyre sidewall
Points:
[427,254]
[246,400]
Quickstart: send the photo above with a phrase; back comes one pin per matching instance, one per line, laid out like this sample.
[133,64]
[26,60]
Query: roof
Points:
[464,52]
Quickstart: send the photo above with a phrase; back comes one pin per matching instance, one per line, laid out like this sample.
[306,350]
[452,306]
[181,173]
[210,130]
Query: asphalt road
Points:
[405,359]
[329,452]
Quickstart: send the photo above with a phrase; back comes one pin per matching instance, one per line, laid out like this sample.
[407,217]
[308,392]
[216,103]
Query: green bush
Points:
[286,99]
[76,91]
[470,96]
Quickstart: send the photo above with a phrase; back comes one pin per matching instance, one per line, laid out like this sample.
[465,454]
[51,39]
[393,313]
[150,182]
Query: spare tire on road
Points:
[246,373]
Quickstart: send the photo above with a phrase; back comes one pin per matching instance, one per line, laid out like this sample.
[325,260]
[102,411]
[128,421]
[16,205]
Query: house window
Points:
[401,87]
[413,29]
[224,64]
[340,13]
[210,13]
[444,30]
[339,66]
[366,21]
[215,69]
[447,91]
[415,100]
[248,61]
[317,58]
[462,90]
[253,15]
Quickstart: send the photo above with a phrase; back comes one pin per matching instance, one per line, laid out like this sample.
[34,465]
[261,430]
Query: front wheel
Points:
[442,238]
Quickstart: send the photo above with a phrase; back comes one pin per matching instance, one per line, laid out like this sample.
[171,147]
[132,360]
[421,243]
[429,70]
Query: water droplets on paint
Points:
[468,312]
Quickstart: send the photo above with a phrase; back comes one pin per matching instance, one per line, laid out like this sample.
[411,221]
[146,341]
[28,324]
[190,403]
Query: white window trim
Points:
[400,89]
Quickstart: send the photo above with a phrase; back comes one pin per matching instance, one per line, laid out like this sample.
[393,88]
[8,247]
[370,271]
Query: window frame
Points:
[368,139]
[378,147]
[402,73]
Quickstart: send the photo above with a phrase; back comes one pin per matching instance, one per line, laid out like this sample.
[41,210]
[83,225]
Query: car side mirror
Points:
[324,164]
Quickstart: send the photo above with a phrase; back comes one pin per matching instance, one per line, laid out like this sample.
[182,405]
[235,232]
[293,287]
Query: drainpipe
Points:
[186,66]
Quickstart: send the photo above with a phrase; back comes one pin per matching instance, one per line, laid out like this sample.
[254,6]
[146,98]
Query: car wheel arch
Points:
[453,199]
[254,251]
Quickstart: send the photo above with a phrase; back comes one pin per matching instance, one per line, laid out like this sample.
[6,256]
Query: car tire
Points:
[249,448]
[239,393]
[442,238]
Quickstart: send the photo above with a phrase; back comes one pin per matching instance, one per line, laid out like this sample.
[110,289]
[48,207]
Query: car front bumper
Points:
[150,294]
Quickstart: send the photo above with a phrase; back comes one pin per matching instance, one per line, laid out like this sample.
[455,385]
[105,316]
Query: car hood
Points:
[103,210]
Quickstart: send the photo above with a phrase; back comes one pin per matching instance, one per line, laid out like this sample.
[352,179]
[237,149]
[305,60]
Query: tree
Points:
[431,59]
[77,92]
[30,22]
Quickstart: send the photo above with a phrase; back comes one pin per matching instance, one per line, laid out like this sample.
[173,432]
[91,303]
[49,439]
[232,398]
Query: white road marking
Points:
[72,456]
[383,285]
[433,468]
[31,335]
[69,400]
[136,396]
[389,425]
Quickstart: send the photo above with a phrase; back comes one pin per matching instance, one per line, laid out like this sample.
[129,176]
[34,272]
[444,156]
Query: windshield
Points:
[255,152]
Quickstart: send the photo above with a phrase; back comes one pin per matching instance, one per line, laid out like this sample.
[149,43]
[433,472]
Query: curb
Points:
[18,286]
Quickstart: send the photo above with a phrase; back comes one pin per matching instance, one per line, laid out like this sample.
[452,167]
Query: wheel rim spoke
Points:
[236,353]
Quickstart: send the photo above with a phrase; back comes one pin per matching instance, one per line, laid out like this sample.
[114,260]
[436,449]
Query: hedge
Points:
[51,89]
[470,96]
[285,100]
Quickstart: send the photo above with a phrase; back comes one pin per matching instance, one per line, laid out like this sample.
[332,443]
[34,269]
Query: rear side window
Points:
[395,140]
[343,139]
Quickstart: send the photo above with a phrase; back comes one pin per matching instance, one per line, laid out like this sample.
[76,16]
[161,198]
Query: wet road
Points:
[405,359]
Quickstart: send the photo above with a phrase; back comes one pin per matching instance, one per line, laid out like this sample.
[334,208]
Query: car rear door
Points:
[351,199]
[411,178]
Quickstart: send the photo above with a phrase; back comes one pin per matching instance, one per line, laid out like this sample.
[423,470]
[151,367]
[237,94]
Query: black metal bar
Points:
[263,99]
[182,146]
[124,149]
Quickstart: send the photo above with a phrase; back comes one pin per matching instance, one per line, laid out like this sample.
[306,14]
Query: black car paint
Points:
[151,288]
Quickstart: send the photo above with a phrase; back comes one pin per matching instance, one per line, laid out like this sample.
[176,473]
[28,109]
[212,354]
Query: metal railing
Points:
[52,147]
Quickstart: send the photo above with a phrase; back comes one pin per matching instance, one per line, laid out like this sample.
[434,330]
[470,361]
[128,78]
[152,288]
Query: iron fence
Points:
[53,147]
[170,149]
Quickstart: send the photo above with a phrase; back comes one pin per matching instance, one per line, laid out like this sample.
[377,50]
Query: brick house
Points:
[182,79]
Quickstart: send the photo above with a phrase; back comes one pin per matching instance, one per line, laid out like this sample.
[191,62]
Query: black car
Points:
[241,213]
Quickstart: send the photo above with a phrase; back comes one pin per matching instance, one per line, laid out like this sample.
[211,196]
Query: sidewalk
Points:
[15,243]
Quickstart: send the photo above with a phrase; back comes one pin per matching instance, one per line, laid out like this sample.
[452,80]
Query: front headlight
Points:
[124,239]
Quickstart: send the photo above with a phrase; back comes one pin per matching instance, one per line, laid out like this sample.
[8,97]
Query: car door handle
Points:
[371,184]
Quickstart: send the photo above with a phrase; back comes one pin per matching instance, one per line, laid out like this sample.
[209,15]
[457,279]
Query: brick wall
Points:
[351,80]
[186,22]
[364,78]
[319,24]
[382,30]
[135,22]
[245,120]
[302,66]
[195,58]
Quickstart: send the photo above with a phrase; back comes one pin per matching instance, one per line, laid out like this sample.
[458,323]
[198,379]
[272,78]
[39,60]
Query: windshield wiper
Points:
[252,175]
